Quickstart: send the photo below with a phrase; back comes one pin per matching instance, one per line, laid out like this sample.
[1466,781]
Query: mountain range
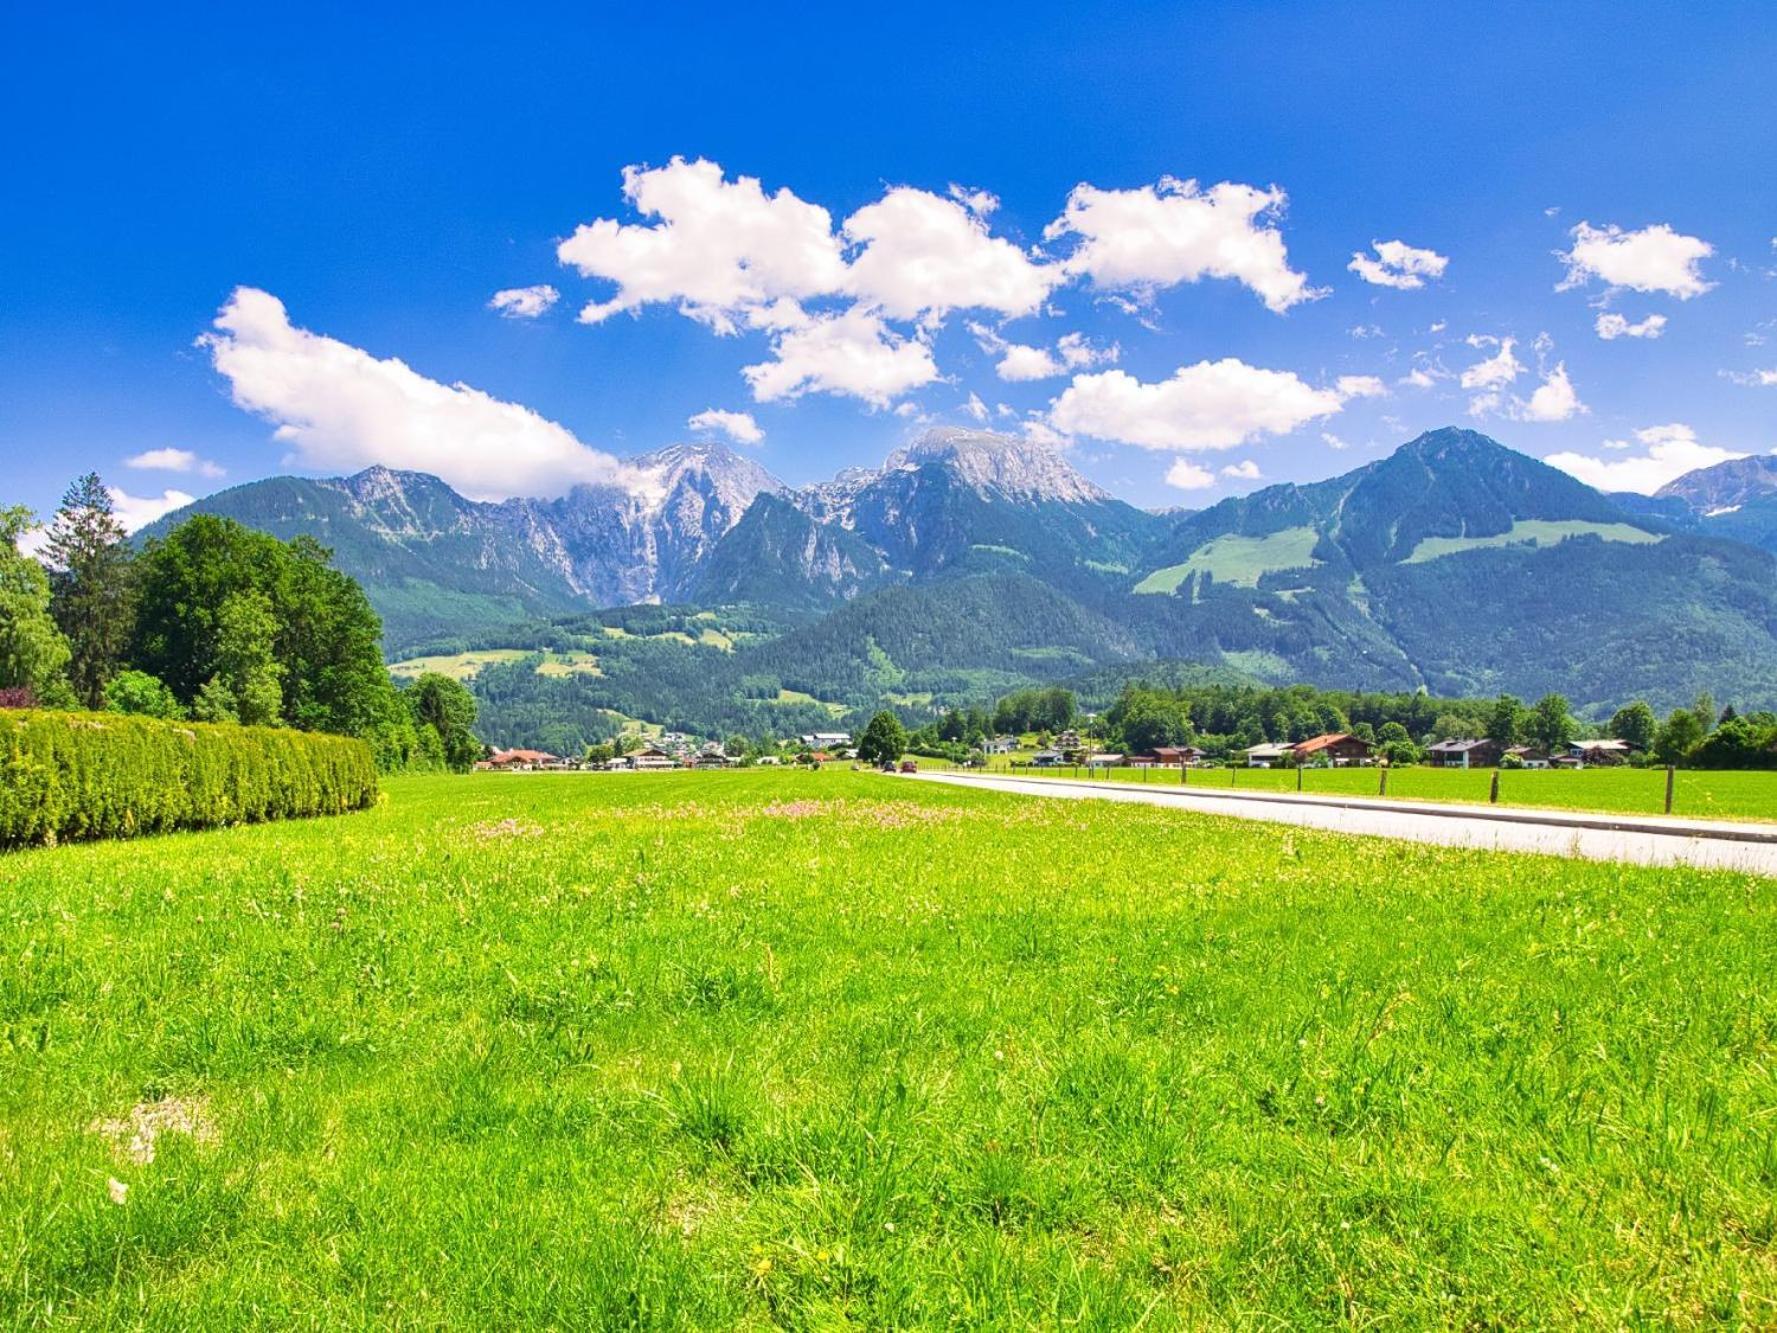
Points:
[1454,564]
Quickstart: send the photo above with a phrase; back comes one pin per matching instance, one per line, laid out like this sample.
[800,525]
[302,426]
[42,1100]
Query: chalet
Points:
[1264,756]
[1338,748]
[523,761]
[827,740]
[1104,761]
[1481,753]
[1174,756]
[713,756]
[1048,759]
[1529,756]
[652,759]
[999,745]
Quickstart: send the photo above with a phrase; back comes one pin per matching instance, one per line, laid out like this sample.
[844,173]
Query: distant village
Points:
[1070,749]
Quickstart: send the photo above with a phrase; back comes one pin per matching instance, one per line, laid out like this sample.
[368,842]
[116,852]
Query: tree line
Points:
[214,622]
[1227,719]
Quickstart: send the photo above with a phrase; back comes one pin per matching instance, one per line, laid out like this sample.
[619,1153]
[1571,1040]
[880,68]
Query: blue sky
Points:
[1552,174]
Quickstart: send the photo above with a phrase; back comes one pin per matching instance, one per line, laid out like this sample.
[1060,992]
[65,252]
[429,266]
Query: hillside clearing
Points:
[708,1050]
[1531,532]
[1239,560]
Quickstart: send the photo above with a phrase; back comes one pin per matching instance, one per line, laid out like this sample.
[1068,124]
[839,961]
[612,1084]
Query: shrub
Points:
[70,776]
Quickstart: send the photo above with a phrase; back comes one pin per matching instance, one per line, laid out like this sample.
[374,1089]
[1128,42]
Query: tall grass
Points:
[719,1050]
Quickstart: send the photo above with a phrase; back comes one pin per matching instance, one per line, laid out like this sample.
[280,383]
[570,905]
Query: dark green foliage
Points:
[883,741]
[71,776]
[92,584]
[1636,724]
[210,593]
[1050,709]
[33,651]
[1740,742]
[446,708]
[1678,736]
[1549,725]
[1144,719]
[1505,721]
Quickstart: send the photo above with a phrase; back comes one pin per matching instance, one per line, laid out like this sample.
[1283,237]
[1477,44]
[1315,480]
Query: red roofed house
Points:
[1338,748]
[521,760]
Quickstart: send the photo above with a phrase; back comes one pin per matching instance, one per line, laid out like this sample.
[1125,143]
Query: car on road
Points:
[908,766]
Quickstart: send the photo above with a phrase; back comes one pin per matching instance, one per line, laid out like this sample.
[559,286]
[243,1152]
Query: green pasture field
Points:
[1697,793]
[812,1049]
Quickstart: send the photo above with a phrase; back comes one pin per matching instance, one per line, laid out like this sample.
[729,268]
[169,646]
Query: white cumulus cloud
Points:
[524,302]
[1611,326]
[337,407]
[1499,369]
[1653,259]
[1209,405]
[1666,453]
[1022,362]
[1187,476]
[853,352]
[138,511]
[737,426]
[1759,379]
[717,247]
[174,460]
[1554,400]
[1155,236]
[1399,265]
[925,255]
[1244,470]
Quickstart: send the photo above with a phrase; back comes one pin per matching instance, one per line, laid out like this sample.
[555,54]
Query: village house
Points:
[1600,753]
[523,761]
[827,740]
[1048,759]
[1264,756]
[999,745]
[652,759]
[1529,756]
[714,756]
[1172,756]
[1480,753]
[1338,748]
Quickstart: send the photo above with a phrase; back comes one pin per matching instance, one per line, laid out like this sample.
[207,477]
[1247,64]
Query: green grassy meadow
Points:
[1697,793]
[777,1048]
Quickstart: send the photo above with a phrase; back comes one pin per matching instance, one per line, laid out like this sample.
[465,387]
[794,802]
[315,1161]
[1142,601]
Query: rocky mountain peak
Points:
[1725,486]
[990,462]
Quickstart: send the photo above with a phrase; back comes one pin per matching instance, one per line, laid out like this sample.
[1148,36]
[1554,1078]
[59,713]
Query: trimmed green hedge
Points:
[70,776]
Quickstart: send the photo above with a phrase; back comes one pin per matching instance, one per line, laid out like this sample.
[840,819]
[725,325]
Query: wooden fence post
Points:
[1670,772]
[1493,791]
[1382,790]
[1298,777]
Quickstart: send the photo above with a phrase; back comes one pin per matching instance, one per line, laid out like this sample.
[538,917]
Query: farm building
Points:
[1338,748]
[1264,756]
[1597,754]
[1172,756]
[524,761]
[1481,753]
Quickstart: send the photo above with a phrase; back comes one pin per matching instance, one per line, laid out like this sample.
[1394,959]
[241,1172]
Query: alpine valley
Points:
[714,598]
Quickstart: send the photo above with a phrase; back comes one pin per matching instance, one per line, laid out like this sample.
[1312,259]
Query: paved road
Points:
[1647,840]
